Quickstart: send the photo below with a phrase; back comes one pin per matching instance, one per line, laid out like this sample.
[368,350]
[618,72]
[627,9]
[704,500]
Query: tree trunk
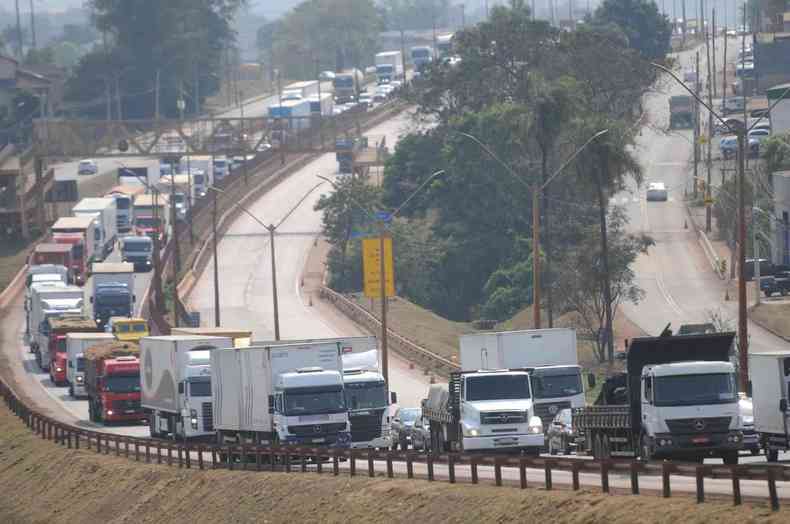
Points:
[607,291]
[548,281]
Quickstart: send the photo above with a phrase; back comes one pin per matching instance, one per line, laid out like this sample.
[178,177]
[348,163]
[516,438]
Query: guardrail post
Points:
[605,475]
[666,490]
[258,459]
[451,467]
[303,462]
[430,466]
[319,466]
[98,442]
[147,452]
[107,444]
[497,471]
[136,451]
[473,469]
[68,439]
[287,461]
[575,475]
[390,473]
[634,478]
[188,452]
[772,489]
[180,450]
[352,463]
[736,486]
[272,459]
[522,472]
[229,457]
[200,456]
[409,465]
[371,469]
[699,471]
[126,447]
[335,463]
[244,457]
[547,474]
[169,454]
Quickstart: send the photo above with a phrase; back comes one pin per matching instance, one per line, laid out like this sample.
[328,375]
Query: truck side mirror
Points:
[591,380]
[749,389]
[271,403]
[783,405]
[393,397]
[180,388]
[91,300]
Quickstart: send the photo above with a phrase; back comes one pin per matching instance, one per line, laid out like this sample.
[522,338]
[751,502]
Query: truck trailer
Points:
[347,85]
[283,394]
[550,354]
[51,254]
[112,382]
[677,399]
[389,67]
[76,345]
[105,212]
[177,384]
[769,376]
[78,232]
[241,338]
[47,302]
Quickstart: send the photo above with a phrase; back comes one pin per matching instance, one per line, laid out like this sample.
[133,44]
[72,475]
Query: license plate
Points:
[130,411]
[700,440]
[318,440]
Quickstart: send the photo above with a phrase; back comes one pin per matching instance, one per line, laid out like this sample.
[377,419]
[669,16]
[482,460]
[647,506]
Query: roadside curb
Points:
[705,243]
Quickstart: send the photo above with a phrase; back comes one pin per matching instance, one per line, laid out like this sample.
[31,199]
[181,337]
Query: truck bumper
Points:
[338,440]
[79,391]
[504,442]
[126,417]
[708,444]
[751,440]
[380,442]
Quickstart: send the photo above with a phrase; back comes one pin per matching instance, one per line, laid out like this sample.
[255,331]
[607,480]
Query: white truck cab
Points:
[368,408]
[691,406]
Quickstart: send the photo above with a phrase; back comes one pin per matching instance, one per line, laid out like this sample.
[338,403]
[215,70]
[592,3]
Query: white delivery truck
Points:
[45,273]
[549,353]
[365,389]
[305,89]
[769,376]
[49,300]
[176,384]
[112,291]
[106,213]
[76,344]
[779,101]
[389,66]
[323,105]
[201,170]
[280,394]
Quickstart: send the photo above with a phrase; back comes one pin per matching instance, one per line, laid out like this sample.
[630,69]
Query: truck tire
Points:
[152,425]
[731,458]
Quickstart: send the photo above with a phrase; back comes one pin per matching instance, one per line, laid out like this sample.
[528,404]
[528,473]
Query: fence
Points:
[289,458]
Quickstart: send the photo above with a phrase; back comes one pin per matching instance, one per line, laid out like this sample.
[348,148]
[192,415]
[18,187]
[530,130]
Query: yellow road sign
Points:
[703,139]
[371,267]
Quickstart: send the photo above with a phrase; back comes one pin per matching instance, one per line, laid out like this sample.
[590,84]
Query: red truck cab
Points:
[112,379]
[57,355]
[53,253]
[77,232]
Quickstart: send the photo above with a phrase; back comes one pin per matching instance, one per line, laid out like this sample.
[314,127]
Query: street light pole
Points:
[216,264]
[271,229]
[756,251]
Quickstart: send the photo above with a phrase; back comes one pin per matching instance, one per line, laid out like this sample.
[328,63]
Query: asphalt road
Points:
[245,268]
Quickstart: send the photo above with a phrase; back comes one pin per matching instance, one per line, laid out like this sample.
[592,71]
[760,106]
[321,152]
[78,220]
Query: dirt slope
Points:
[42,482]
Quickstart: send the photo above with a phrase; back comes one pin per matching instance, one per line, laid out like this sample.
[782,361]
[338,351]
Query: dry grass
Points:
[44,482]
[775,317]
[13,255]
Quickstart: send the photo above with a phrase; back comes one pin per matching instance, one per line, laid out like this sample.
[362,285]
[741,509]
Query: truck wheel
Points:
[552,449]
[771,455]
[646,451]
[731,458]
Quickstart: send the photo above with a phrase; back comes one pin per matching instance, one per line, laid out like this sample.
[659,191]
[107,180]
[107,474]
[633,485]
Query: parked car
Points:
[729,147]
[326,75]
[657,191]
[779,282]
[761,135]
[421,434]
[401,426]
[87,167]
[560,435]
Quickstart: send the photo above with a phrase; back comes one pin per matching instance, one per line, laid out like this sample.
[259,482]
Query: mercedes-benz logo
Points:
[553,410]
[699,424]
[316,429]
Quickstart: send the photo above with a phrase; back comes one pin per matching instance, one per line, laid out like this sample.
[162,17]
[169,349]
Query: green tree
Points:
[647,30]
[40,56]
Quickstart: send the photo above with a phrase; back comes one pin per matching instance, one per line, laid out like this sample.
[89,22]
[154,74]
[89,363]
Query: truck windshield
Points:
[60,346]
[686,390]
[148,222]
[76,252]
[313,401]
[122,384]
[122,202]
[551,386]
[200,389]
[344,81]
[80,363]
[137,247]
[497,387]
[420,53]
[366,395]
[120,301]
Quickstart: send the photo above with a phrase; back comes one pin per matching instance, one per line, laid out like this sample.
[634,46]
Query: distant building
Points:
[771,60]
[781,227]
[14,77]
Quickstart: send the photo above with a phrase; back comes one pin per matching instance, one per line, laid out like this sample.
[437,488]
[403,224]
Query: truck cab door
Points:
[786,393]
[647,411]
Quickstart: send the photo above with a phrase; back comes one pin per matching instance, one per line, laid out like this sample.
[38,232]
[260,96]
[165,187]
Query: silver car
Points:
[401,426]
[560,435]
[421,434]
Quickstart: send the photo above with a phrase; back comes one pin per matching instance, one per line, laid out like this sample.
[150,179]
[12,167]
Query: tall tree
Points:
[647,30]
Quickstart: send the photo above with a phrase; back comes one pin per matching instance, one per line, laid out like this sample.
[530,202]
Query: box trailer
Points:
[76,345]
[769,375]
[106,214]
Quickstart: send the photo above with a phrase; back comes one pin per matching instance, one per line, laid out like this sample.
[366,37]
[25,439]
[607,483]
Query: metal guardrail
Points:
[295,458]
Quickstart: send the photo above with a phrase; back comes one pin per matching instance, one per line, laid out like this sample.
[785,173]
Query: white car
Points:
[326,75]
[760,134]
[657,191]
[366,98]
[87,167]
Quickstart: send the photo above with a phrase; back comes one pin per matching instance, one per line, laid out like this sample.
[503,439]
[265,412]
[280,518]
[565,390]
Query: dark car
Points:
[779,282]
[401,426]
[420,434]
[560,435]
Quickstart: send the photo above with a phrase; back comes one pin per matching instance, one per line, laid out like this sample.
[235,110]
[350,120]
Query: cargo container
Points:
[112,382]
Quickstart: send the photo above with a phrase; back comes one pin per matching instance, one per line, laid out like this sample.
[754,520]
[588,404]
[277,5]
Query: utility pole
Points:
[743,334]
[383,291]
[107,96]
[683,28]
[156,91]
[158,295]
[536,257]
[607,290]
[709,162]
[19,42]
[713,50]
[463,17]
[724,66]
[696,130]
[216,265]
[176,252]
[118,96]
[33,24]
[271,229]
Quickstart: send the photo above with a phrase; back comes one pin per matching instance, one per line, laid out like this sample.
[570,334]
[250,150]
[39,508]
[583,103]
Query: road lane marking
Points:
[667,296]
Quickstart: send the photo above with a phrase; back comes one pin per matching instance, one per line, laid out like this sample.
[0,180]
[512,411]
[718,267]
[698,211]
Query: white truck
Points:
[305,89]
[769,378]
[176,384]
[550,354]
[201,170]
[281,394]
[389,66]
[45,273]
[779,98]
[106,213]
[76,344]
[112,291]
[49,300]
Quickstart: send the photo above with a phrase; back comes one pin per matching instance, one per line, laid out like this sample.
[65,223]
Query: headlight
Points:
[80,378]
[59,370]
[535,425]
[471,432]
[110,412]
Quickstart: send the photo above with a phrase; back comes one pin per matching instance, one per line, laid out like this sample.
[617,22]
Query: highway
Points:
[679,283]
[245,269]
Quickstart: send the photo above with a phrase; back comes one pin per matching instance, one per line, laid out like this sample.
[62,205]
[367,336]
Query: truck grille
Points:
[686,426]
[122,406]
[208,416]
[549,410]
[503,417]
[365,427]
[317,430]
